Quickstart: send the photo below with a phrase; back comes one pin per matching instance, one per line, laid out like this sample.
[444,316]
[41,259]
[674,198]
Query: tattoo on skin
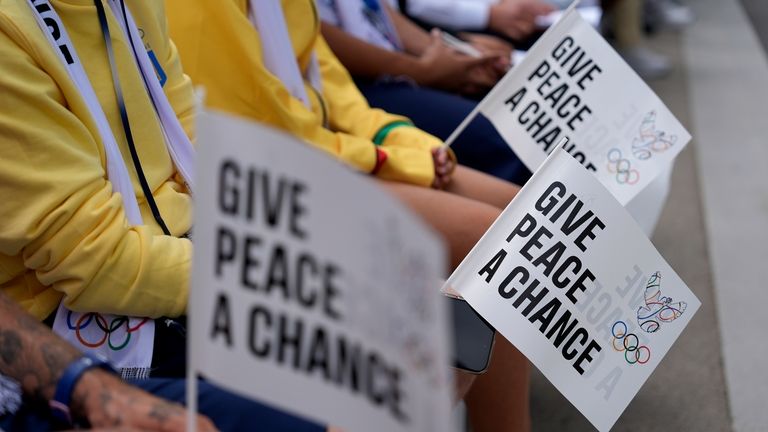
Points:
[55,358]
[85,395]
[33,355]
[30,353]
[159,413]
[10,346]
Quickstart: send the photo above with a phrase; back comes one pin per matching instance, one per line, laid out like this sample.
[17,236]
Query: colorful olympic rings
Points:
[81,326]
[622,167]
[630,344]
[109,329]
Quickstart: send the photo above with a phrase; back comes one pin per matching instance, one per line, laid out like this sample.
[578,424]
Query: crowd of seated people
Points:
[97,205]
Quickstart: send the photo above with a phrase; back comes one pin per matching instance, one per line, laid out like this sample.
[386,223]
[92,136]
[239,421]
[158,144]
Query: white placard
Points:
[569,278]
[313,289]
[573,84]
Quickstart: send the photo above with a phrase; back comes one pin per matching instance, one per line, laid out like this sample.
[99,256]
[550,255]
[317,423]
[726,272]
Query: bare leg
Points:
[464,211]
[498,400]
[463,382]
[461,221]
[482,187]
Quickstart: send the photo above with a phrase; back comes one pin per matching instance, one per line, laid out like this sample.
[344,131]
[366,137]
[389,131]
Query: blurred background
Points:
[707,60]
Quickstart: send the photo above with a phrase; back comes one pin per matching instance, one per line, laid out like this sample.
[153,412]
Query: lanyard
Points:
[381,21]
[367,20]
[176,141]
[124,117]
[57,36]
[134,357]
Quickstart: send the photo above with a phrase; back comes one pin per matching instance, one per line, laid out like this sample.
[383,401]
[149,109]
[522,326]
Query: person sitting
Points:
[80,227]
[402,69]
[268,62]
[95,171]
[47,384]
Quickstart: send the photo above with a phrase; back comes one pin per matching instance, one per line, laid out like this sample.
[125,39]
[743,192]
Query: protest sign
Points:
[573,84]
[313,290]
[568,277]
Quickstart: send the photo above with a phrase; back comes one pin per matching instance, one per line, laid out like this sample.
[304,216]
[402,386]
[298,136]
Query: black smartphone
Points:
[472,337]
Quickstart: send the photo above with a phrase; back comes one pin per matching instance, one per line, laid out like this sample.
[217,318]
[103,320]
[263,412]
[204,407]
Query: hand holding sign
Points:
[573,84]
[307,300]
[444,166]
[569,278]
[443,67]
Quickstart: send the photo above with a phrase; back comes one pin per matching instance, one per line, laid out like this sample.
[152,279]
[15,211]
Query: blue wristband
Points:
[69,378]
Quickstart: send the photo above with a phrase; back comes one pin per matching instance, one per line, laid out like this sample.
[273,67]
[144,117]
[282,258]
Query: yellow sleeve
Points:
[408,148]
[348,111]
[58,211]
[221,51]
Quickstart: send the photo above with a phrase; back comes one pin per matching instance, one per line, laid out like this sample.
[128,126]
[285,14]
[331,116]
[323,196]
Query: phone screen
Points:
[472,337]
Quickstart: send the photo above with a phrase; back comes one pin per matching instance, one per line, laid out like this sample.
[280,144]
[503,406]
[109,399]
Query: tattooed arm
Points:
[35,357]
[30,353]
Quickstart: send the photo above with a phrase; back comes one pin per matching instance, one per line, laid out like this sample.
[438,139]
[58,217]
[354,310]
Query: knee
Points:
[463,382]
[510,358]
[481,216]
[474,219]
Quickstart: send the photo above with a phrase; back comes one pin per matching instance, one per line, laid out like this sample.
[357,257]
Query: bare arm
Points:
[417,41]
[366,60]
[30,353]
[34,356]
[438,66]
[517,18]
[414,38]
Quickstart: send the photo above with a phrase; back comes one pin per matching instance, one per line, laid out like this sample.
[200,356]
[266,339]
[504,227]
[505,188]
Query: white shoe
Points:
[648,64]
[669,13]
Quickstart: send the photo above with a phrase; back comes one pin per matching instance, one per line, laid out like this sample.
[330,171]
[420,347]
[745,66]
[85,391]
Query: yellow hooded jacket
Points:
[221,51]
[63,233]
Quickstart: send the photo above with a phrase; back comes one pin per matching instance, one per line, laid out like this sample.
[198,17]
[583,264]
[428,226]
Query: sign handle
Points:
[463,125]
[191,389]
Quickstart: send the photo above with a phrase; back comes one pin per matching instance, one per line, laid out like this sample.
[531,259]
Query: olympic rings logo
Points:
[108,328]
[622,167]
[634,353]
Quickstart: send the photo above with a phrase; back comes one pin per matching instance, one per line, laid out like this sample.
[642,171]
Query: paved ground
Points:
[728,78]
